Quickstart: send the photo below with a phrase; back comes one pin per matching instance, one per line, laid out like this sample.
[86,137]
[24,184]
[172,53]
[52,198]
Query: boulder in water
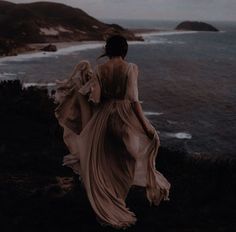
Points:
[49,48]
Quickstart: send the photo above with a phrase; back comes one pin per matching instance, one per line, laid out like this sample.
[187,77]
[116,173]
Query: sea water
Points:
[187,81]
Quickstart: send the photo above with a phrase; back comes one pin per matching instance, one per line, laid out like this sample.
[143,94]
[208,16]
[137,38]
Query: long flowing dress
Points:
[108,147]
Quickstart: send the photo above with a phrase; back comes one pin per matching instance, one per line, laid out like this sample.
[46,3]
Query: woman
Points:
[112,144]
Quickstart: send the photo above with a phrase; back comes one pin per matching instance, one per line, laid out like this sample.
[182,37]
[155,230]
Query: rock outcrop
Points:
[49,48]
[7,47]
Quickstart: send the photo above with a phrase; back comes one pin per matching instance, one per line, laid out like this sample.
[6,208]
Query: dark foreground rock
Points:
[195,26]
[8,47]
[38,194]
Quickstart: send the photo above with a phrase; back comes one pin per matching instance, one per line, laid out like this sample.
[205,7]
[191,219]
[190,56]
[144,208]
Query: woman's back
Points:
[113,76]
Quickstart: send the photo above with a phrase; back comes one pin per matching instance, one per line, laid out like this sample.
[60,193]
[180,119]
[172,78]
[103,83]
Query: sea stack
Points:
[49,48]
[195,26]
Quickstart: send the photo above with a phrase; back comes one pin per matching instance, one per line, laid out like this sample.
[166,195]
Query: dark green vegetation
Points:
[38,194]
[46,22]
[195,26]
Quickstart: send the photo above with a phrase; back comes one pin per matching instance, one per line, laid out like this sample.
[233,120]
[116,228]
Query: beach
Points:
[36,48]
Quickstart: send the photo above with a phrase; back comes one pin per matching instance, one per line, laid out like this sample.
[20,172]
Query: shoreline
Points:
[33,48]
[63,48]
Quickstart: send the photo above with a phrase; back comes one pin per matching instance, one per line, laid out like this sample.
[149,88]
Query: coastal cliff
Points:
[48,22]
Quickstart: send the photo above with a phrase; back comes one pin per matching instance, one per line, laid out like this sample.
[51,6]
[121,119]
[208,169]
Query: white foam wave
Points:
[151,113]
[179,135]
[164,33]
[147,41]
[7,75]
[172,122]
[27,85]
[157,38]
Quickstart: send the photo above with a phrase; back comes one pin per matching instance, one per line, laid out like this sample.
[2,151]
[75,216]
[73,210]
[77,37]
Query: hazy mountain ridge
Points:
[45,22]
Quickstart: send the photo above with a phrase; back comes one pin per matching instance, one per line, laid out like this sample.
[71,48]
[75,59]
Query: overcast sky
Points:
[155,9]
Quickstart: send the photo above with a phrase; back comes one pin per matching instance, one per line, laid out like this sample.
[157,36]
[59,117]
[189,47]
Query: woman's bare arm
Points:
[147,127]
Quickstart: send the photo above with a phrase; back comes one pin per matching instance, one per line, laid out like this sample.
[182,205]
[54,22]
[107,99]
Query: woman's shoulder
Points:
[133,68]
[132,64]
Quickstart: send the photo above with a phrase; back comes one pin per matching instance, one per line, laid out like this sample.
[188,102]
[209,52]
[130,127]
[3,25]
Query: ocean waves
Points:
[35,84]
[151,113]
[68,48]
[8,76]
[166,33]
[179,135]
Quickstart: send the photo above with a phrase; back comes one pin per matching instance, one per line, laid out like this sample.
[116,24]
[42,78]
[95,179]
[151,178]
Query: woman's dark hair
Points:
[116,45]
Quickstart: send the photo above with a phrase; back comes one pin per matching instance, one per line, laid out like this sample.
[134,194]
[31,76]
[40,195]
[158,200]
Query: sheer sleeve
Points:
[132,83]
[73,96]
[92,89]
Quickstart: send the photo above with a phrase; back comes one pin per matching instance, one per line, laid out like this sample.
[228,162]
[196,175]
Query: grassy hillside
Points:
[44,22]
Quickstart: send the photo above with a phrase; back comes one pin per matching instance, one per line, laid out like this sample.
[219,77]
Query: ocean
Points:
[187,82]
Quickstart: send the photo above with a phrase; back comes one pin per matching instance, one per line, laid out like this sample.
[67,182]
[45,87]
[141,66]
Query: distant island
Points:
[48,22]
[195,26]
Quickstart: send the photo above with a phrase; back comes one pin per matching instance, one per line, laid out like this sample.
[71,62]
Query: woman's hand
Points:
[150,131]
[146,125]
[70,159]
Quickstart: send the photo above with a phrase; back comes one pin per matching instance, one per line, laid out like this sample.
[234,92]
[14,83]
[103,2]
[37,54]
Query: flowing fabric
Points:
[108,147]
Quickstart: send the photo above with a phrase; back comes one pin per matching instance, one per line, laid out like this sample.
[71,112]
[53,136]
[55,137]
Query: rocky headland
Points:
[48,22]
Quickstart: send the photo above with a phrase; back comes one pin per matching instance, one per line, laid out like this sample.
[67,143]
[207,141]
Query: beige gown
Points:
[108,146]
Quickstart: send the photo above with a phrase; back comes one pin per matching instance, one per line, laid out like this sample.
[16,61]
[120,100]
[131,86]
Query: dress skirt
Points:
[111,152]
